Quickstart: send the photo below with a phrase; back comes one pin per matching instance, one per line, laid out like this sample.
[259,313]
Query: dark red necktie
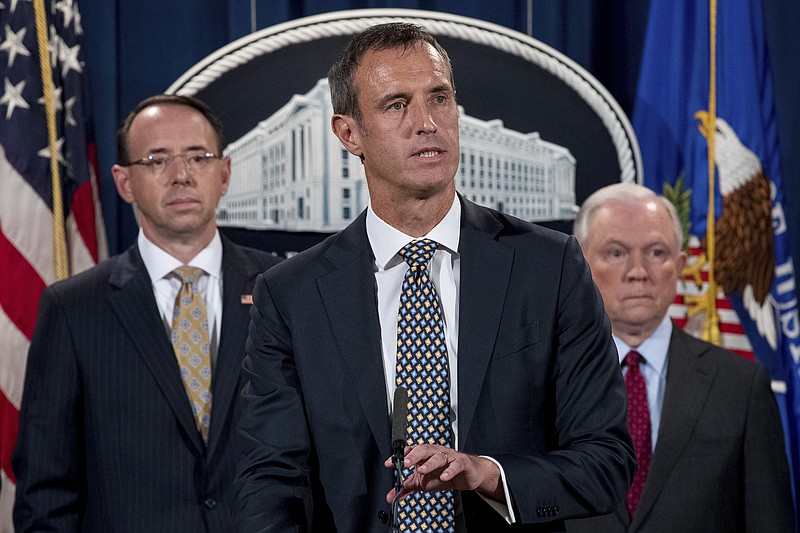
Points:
[638,424]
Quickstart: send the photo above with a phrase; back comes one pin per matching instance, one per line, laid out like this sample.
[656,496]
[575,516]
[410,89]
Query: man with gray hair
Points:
[705,426]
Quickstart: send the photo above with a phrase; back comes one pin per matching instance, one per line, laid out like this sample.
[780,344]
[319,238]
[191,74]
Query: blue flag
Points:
[671,118]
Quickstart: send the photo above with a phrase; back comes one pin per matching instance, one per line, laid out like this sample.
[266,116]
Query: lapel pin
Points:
[247,299]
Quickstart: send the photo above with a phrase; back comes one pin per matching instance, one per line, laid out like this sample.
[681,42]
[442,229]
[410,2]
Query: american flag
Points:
[37,246]
[732,334]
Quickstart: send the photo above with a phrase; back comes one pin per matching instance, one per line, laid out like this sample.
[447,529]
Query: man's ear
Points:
[225,175]
[348,132]
[123,183]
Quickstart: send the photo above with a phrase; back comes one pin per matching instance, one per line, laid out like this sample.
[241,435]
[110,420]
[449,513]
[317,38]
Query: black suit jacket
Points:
[539,386]
[719,463]
[107,439]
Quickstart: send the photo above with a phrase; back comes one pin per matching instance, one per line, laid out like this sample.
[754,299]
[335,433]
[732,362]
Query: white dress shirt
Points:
[160,264]
[390,271]
[444,268]
[654,370]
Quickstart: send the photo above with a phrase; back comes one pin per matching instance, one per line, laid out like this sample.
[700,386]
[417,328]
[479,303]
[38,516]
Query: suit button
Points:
[210,503]
[556,509]
[539,512]
[383,516]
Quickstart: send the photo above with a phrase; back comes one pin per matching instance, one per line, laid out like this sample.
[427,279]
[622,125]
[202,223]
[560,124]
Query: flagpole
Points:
[59,232]
[711,325]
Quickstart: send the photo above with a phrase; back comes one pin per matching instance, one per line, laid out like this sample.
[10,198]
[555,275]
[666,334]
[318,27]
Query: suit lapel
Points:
[349,295]
[485,273]
[238,275]
[134,304]
[689,380]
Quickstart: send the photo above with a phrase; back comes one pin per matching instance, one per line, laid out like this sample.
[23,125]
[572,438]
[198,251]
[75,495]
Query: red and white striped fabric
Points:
[26,193]
[732,334]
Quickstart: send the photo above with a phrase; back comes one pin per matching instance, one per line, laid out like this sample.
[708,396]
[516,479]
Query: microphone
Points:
[399,421]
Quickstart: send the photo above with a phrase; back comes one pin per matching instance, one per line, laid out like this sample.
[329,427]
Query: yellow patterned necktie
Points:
[422,367]
[190,340]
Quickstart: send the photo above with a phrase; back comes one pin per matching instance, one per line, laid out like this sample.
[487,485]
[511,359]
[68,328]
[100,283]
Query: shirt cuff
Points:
[505,510]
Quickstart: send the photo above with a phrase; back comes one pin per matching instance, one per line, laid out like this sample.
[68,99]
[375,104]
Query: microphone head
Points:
[399,415]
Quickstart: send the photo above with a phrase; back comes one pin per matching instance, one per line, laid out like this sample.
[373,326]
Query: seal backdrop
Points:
[499,74]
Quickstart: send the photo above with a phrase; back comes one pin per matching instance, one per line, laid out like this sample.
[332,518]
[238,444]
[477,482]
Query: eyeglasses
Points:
[196,161]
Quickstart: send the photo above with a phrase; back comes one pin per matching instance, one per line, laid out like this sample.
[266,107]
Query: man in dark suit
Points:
[516,408]
[714,444]
[108,438]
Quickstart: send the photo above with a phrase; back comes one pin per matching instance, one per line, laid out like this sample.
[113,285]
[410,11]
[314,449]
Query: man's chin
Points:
[643,316]
[187,225]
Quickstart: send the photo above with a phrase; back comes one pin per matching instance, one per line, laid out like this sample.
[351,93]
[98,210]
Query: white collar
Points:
[386,240]
[654,349]
[159,263]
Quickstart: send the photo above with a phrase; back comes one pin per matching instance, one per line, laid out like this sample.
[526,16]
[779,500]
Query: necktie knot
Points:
[633,360]
[188,275]
[418,253]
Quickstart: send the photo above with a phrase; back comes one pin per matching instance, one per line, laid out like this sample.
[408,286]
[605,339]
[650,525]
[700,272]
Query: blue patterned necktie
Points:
[422,368]
[190,340]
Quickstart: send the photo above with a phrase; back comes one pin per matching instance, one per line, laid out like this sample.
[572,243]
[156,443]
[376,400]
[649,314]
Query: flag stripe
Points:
[6,500]
[723,304]
[83,213]
[12,364]
[20,204]
[80,256]
[726,314]
[20,288]
[9,422]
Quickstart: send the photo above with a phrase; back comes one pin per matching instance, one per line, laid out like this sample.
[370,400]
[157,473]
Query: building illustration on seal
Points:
[291,173]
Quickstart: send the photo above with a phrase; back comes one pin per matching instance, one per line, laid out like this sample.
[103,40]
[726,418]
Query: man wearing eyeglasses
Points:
[126,419]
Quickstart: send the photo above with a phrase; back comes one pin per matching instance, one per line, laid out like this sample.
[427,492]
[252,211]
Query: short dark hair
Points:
[344,96]
[166,99]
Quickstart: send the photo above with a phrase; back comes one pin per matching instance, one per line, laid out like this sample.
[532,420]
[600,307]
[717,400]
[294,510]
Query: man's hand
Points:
[437,468]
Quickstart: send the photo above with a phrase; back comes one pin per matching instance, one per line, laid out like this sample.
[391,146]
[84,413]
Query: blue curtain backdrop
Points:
[134,49]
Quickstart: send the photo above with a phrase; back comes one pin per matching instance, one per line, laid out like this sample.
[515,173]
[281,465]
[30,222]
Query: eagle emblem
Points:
[744,261]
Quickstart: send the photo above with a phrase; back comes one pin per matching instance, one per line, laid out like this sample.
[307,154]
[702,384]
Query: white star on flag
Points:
[68,116]
[54,45]
[13,97]
[69,57]
[65,6]
[45,152]
[14,45]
